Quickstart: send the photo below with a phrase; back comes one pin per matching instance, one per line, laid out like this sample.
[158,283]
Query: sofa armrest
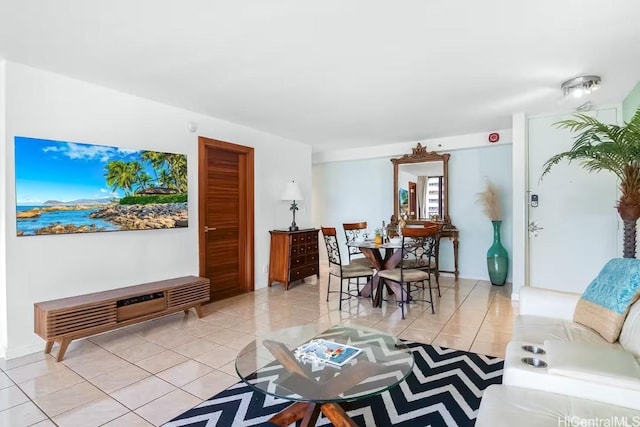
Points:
[547,303]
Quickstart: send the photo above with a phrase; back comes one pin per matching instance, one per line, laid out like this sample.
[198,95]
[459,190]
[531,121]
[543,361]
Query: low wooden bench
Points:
[66,319]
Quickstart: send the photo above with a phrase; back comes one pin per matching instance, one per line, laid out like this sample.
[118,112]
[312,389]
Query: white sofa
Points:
[583,376]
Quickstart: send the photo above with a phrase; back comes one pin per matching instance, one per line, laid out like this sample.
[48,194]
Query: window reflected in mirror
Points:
[421,191]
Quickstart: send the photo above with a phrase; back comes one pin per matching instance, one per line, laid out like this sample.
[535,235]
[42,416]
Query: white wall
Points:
[3,199]
[362,190]
[45,105]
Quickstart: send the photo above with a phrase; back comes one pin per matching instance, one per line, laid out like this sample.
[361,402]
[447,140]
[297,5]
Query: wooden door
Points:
[225,200]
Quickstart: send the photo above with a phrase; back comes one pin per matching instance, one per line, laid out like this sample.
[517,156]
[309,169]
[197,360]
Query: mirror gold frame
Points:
[421,155]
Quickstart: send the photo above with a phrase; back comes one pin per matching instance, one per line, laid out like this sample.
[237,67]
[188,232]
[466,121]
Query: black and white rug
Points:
[444,389]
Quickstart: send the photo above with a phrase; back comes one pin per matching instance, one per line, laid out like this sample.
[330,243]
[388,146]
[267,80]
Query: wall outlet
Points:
[265,268]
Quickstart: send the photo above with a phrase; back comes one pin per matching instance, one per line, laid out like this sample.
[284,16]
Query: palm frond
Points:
[599,146]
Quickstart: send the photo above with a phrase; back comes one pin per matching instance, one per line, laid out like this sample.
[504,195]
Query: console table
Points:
[293,255]
[452,233]
[70,318]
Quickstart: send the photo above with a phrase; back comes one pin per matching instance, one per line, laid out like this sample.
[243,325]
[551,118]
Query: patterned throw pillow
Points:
[605,303]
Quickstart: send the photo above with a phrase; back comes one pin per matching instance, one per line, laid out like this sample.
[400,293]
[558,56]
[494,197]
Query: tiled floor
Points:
[147,374]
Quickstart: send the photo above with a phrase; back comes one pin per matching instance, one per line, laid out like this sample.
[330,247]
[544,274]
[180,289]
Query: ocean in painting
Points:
[28,226]
[61,185]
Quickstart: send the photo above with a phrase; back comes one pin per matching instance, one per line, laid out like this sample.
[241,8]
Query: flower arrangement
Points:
[490,201]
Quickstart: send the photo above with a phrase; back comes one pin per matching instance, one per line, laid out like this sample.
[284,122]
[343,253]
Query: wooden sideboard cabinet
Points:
[293,255]
[66,319]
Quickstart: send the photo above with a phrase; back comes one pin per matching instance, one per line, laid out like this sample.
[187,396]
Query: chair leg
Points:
[438,284]
[340,295]
[433,311]
[402,300]
[328,286]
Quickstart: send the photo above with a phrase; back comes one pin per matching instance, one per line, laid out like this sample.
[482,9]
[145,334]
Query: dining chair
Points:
[428,259]
[352,232]
[418,250]
[347,271]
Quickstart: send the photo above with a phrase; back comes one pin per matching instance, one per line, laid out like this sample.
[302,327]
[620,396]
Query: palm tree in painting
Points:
[143,180]
[122,175]
[178,170]
[155,159]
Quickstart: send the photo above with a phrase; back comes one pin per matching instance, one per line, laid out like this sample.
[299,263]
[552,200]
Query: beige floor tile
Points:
[451,341]
[119,378]
[426,325]
[94,413]
[218,357]
[141,351]
[5,381]
[460,331]
[185,372]
[167,407]
[23,360]
[424,337]
[221,336]
[68,398]
[11,396]
[46,384]
[489,348]
[34,370]
[93,368]
[210,384]
[170,338]
[78,351]
[142,392]
[89,352]
[240,341]
[118,343]
[161,361]
[195,347]
[202,329]
[230,368]
[23,415]
[130,419]
[491,335]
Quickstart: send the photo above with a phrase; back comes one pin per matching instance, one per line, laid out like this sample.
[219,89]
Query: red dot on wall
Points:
[494,137]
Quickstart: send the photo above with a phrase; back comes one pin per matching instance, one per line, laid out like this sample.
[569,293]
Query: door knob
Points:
[534,228]
[207,228]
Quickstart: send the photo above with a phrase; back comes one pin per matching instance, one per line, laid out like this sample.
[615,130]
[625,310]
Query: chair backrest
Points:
[353,230]
[331,240]
[420,244]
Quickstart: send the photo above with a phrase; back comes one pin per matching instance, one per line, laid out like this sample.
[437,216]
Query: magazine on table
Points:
[324,351]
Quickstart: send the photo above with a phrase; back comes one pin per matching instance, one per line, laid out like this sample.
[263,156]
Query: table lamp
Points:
[292,192]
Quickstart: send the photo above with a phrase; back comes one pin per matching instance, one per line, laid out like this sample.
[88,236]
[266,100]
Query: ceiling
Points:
[337,74]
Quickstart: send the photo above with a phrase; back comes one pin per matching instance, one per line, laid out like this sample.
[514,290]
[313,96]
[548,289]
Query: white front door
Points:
[576,220]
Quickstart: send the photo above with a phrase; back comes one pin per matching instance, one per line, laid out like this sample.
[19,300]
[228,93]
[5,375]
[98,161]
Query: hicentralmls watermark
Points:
[613,421]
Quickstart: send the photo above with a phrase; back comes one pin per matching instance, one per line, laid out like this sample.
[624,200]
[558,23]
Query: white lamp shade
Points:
[291,192]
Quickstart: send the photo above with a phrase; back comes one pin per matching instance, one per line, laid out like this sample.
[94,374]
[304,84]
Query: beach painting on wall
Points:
[69,187]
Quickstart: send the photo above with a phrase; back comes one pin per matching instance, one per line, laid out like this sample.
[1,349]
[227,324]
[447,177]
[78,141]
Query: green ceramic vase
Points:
[497,258]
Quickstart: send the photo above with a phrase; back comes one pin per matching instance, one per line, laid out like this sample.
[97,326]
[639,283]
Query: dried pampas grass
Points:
[490,202]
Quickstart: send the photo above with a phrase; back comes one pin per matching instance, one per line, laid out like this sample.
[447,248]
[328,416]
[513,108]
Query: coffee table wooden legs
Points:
[336,414]
[309,412]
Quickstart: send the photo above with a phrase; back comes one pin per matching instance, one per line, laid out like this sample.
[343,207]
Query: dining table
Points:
[381,256]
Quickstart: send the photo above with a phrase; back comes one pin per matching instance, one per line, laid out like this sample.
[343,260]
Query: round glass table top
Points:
[286,363]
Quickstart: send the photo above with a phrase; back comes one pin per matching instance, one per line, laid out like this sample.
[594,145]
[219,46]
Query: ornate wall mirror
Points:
[420,186]
[421,194]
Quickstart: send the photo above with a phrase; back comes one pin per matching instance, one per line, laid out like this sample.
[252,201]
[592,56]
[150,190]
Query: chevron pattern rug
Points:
[444,389]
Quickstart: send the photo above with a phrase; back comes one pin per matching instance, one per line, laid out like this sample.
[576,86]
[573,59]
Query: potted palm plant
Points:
[607,147]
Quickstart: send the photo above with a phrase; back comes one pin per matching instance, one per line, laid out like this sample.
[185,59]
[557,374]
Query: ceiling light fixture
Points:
[579,86]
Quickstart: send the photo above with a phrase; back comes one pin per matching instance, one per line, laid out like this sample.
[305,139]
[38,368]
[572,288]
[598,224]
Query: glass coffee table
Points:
[269,365]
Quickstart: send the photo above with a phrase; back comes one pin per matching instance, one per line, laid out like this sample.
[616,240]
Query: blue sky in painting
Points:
[64,171]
